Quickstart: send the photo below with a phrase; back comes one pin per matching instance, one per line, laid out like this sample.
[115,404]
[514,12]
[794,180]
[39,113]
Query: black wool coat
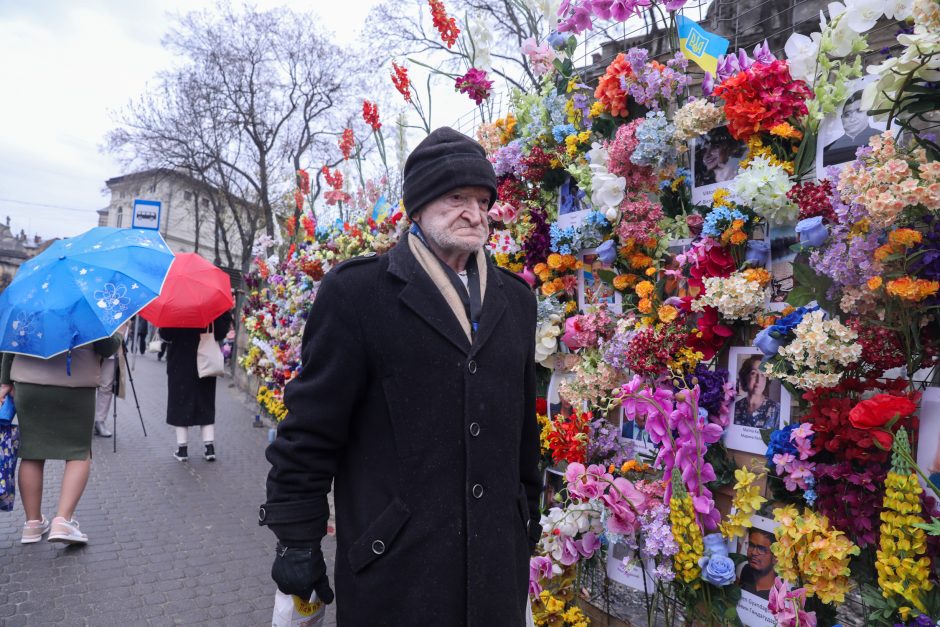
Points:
[190,400]
[432,441]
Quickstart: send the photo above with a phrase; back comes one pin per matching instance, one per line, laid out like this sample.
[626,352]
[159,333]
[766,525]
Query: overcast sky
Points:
[63,67]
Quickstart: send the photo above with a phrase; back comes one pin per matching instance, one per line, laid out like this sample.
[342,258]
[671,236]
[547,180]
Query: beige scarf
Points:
[433,267]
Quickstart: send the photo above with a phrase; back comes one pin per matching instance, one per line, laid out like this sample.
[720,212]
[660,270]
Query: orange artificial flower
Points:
[904,238]
[644,289]
[645,305]
[874,283]
[609,90]
[912,290]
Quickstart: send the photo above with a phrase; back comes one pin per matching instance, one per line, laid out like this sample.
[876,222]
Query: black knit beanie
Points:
[444,161]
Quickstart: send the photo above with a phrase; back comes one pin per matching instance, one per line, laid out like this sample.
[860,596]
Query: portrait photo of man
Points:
[757,576]
[856,132]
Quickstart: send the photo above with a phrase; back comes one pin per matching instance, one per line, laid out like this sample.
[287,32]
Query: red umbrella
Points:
[195,293]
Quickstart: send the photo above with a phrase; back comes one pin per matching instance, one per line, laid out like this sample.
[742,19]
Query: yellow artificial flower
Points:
[667,313]
[597,109]
[643,289]
[721,198]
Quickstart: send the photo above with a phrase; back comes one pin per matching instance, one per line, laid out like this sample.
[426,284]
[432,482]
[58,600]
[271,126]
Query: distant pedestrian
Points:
[55,403]
[112,376]
[142,328]
[191,400]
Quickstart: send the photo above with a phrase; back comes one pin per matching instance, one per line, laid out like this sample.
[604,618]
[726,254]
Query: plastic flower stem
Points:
[913,464]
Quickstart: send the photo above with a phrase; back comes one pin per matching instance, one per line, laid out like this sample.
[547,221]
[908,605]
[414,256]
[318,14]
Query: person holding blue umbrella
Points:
[65,311]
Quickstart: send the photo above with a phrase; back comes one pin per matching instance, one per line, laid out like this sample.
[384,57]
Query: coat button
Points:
[472,366]
[477,491]
[378,547]
[474,429]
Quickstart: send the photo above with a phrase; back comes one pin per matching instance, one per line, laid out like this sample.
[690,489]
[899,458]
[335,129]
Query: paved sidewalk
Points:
[170,543]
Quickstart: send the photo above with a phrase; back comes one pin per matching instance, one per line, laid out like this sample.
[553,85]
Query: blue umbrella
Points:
[81,289]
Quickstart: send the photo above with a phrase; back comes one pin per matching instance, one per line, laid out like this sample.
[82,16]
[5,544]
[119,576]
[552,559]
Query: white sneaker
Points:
[66,531]
[34,530]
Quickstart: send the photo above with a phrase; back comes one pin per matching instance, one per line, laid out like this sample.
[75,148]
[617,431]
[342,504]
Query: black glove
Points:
[301,572]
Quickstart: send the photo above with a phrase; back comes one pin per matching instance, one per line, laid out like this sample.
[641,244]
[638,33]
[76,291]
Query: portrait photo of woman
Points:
[753,406]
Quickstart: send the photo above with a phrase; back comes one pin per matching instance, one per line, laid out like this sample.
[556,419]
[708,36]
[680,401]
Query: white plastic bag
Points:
[209,359]
[291,611]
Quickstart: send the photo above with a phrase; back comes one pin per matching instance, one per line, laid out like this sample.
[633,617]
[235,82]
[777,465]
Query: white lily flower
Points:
[899,9]
[608,190]
[802,52]
[861,15]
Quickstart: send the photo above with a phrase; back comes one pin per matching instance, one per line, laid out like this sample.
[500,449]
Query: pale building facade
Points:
[188,213]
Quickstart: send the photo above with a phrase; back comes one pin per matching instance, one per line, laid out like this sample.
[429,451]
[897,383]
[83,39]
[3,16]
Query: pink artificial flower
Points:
[787,606]
[540,567]
[528,276]
[503,212]
[622,10]
[579,21]
[541,58]
[674,5]
[589,544]
[569,551]
[474,84]
[601,8]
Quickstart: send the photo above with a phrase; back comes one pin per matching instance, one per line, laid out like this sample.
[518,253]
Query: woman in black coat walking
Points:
[191,400]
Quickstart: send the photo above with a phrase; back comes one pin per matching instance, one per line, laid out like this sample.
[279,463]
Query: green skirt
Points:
[55,422]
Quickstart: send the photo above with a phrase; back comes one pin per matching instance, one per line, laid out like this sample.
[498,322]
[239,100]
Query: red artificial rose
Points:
[541,406]
[883,439]
[875,412]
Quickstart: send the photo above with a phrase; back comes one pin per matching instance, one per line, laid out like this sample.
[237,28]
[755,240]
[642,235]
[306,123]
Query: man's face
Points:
[759,556]
[854,120]
[456,222]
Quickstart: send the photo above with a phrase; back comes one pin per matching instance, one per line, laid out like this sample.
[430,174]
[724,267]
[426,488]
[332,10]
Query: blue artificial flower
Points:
[780,443]
[767,343]
[607,252]
[720,218]
[557,40]
[810,496]
[718,570]
[812,231]
[715,544]
[561,131]
[782,328]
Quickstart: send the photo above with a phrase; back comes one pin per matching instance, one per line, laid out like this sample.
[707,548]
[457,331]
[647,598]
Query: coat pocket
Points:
[379,536]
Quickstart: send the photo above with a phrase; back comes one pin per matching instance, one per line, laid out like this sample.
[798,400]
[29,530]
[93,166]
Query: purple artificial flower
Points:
[674,5]
[601,8]
[708,84]
[579,21]
[622,10]
[762,54]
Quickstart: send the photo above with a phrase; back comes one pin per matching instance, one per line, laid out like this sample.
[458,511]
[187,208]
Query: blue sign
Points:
[146,215]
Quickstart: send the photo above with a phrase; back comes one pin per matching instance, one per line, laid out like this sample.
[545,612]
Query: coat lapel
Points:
[422,296]
[494,304]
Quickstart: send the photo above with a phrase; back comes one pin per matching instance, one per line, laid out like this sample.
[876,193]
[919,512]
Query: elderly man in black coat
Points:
[416,399]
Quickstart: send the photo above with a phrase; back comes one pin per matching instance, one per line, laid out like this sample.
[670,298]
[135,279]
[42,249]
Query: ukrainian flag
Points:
[380,209]
[700,46]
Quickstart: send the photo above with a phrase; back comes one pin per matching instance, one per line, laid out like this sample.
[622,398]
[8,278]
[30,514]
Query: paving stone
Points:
[170,543]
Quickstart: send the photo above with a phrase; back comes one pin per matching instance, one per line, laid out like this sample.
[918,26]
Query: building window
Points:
[120,217]
[187,195]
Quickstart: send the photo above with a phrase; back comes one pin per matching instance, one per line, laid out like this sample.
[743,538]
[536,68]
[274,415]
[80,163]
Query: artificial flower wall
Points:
[737,320]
